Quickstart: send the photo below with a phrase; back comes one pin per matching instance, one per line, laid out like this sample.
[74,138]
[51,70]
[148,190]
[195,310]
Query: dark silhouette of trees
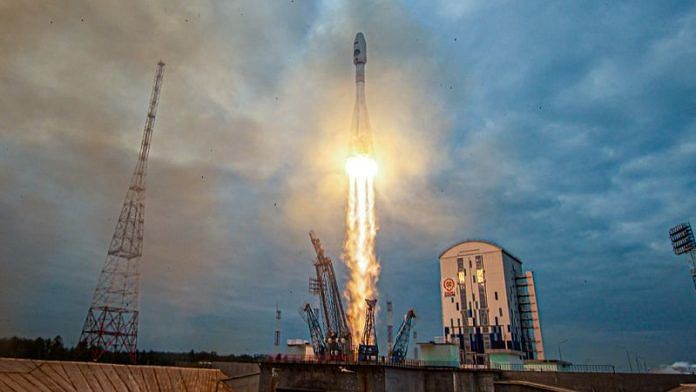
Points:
[54,349]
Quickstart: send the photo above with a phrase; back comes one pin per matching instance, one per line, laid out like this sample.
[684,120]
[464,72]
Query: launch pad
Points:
[350,334]
[296,376]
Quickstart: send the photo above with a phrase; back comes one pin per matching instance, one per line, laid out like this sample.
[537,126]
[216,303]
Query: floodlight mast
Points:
[682,237]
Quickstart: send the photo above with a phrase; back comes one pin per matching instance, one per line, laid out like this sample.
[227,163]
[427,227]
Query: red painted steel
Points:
[112,320]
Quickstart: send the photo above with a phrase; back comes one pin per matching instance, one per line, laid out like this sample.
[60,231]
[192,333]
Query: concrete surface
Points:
[20,375]
[326,377]
[240,376]
[590,382]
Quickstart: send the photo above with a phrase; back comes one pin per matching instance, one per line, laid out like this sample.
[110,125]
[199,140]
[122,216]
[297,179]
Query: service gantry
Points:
[368,349]
[337,332]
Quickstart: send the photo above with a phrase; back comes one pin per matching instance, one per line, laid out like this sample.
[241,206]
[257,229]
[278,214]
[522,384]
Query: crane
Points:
[400,349]
[338,335]
[315,332]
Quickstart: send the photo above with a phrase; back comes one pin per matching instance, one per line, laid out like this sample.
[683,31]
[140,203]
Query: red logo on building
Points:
[448,284]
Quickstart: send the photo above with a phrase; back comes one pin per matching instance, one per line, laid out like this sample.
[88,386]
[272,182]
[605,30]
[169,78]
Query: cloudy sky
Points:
[564,131]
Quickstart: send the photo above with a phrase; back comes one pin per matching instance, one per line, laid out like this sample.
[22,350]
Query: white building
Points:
[299,348]
[439,354]
[489,304]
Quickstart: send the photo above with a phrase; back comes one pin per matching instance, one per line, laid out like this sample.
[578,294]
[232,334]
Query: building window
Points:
[460,264]
[457,305]
[508,327]
[470,263]
[496,321]
[500,312]
[496,295]
[452,298]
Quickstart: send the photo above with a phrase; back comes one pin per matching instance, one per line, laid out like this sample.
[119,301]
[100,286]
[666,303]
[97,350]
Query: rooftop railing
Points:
[415,363]
[553,367]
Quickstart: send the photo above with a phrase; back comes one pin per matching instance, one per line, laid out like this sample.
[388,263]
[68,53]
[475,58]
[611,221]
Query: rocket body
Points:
[361,134]
[361,220]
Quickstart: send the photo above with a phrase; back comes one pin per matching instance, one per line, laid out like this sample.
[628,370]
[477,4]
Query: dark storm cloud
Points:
[578,132]
[562,131]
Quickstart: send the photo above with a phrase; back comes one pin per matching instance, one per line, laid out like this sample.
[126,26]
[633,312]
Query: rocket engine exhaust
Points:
[361,223]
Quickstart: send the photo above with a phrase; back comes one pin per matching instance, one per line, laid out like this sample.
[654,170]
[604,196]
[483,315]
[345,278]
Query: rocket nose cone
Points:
[359,49]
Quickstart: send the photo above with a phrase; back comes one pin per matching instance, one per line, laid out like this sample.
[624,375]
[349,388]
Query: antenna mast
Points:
[112,320]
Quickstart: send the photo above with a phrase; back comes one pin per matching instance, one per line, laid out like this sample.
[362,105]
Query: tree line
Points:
[55,349]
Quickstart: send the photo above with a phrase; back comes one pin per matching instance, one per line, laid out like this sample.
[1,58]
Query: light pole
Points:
[628,358]
[560,354]
[682,237]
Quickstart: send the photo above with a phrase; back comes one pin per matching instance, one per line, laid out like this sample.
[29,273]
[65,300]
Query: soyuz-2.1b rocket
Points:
[361,134]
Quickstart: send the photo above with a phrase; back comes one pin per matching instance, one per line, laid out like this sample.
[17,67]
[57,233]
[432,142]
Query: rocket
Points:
[361,134]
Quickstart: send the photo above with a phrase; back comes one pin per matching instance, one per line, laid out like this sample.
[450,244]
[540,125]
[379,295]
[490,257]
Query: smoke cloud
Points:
[680,367]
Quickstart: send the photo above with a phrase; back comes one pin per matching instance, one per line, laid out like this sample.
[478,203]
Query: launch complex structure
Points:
[332,339]
[346,334]
[337,332]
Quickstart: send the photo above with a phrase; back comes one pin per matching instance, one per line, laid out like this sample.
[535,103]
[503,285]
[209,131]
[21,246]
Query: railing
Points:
[553,367]
[353,360]
[415,363]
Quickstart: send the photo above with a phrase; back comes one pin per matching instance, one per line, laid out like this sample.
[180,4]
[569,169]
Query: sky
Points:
[564,131]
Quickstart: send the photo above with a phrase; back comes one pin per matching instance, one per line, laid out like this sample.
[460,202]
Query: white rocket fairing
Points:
[361,134]
[359,49]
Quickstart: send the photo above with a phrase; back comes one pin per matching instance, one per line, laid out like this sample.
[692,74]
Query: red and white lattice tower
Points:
[112,320]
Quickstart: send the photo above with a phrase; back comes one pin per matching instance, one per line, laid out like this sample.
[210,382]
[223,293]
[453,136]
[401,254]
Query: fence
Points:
[415,363]
[553,367]
[351,360]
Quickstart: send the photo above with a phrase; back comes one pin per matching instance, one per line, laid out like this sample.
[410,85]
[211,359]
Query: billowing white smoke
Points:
[680,367]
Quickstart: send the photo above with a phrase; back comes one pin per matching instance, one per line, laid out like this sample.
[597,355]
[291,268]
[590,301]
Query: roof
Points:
[491,243]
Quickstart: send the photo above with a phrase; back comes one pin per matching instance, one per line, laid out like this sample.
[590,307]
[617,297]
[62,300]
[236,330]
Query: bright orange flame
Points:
[360,240]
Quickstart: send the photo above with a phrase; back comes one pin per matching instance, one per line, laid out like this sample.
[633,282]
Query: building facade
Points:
[489,304]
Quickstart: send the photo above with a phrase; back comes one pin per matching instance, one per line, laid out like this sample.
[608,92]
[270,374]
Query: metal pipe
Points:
[560,354]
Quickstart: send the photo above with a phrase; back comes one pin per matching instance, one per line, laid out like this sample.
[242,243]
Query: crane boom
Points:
[400,349]
[315,332]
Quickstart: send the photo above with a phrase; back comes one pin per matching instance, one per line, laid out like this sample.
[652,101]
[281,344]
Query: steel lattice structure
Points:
[112,320]
[400,349]
[338,335]
[315,333]
[390,325]
[368,349]
[369,334]
[682,237]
